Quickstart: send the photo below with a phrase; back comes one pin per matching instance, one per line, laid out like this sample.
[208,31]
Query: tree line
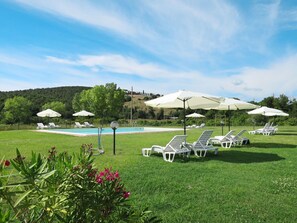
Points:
[107,102]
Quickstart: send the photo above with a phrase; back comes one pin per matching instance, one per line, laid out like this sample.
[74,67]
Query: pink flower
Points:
[116,174]
[7,163]
[99,180]
[126,194]
[110,177]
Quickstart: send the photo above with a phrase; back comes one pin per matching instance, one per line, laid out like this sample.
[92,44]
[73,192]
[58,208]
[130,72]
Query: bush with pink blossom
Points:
[65,188]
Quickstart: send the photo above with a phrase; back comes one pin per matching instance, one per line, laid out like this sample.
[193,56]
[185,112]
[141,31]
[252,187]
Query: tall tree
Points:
[104,101]
[56,106]
[282,102]
[17,110]
[269,102]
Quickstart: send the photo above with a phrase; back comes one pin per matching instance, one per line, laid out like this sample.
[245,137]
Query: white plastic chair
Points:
[41,126]
[238,139]
[177,145]
[201,146]
[226,141]
[87,124]
[53,125]
[78,125]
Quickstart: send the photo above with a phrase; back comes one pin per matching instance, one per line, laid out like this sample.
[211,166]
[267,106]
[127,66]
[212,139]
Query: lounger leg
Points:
[168,157]
[146,152]
[224,145]
[188,154]
[205,151]
[196,153]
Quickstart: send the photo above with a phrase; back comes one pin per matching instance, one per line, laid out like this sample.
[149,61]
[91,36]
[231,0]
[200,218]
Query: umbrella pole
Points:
[229,114]
[184,101]
[99,139]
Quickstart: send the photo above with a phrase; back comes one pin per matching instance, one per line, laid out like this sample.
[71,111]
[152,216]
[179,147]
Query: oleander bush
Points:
[64,188]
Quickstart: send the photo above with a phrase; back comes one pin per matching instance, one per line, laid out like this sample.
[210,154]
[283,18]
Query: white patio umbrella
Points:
[83,113]
[228,104]
[266,111]
[48,113]
[185,99]
[276,114]
[195,115]
[234,104]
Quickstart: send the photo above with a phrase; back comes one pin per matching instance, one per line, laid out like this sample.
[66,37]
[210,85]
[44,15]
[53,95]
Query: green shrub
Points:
[65,188]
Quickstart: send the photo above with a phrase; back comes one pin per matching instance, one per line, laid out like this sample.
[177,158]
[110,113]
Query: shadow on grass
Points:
[231,156]
[287,133]
[177,159]
[234,156]
[271,145]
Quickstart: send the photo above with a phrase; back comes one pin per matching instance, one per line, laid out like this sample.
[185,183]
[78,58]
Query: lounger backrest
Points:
[240,133]
[40,124]
[203,139]
[175,143]
[266,125]
[228,135]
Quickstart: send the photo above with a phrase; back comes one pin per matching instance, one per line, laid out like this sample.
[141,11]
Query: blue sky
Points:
[230,48]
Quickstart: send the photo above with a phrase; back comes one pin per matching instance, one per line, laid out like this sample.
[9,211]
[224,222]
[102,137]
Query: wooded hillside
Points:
[40,96]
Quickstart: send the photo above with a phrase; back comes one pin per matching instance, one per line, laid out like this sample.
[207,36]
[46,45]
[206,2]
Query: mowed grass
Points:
[254,183]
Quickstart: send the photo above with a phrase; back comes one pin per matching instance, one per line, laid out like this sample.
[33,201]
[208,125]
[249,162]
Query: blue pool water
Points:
[94,131]
[106,131]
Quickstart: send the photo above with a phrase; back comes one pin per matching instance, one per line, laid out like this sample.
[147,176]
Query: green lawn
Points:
[255,183]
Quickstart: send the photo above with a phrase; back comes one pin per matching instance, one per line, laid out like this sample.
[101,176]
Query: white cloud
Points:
[168,28]
[114,63]
[85,12]
[278,78]
[250,83]
[191,26]
[288,19]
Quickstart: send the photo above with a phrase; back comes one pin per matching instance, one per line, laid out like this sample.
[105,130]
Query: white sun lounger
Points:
[175,146]
[202,146]
[41,126]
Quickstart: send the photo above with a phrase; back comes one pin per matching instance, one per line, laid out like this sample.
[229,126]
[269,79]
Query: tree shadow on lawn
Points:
[231,156]
[271,145]
[287,133]
[177,159]
[234,156]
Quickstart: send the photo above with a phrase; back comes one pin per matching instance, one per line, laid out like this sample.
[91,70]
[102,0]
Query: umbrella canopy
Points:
[195,115]
[234,104]
[48,113]
[185,99]
[189,99]
[267,112]
[83,113]
[228,104]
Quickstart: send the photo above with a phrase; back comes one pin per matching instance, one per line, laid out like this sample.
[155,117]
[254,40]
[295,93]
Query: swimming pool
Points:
[107,131]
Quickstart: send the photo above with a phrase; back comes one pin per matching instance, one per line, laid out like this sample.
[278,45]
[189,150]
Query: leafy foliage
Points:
[109,102]
[17,109]
[56,106]
[64,188]
[41,96]
[104,101]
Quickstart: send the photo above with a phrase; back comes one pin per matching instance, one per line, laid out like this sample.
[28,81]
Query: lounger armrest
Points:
[188,145]
[157,148]
[210,140]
